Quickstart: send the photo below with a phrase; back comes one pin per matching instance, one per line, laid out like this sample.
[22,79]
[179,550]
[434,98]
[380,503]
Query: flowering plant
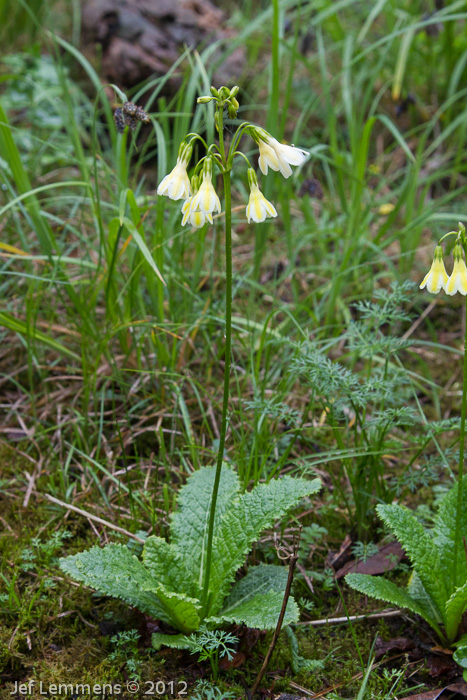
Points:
[202,200]
[188,581]
[440,600]
[437,278]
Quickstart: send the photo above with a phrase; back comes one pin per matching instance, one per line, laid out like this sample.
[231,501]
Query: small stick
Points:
[336,620]
[84,513]
[292,564]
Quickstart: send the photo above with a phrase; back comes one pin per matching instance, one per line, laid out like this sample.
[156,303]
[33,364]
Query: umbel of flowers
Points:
[198,192]
[437,278]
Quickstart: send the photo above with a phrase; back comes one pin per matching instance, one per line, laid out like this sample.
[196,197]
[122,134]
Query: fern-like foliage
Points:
[437,589]
[167,583]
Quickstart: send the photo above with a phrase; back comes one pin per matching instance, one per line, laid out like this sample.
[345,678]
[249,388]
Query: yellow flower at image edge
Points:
[458,279]
[258,207]
[437,276]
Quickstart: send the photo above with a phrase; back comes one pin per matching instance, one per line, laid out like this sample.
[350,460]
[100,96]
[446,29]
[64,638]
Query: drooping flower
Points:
[458,279]
[206,199]
[276,155]
[437,276]
[176,184]
[196,217]
[258,207]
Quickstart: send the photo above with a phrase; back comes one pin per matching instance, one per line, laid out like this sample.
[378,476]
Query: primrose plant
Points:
[168,582]
[187,582]
[437,589]
[201,201]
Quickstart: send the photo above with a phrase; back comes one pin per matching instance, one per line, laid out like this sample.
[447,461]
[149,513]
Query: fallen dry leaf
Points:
[397,644]
[440,665]
[386,559]
[237,660]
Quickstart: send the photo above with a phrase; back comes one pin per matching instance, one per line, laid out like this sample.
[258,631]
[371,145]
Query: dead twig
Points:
[293,557]
[96,519]
[345,618]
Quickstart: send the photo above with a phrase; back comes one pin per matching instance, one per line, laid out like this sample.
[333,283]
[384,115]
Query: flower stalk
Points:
[435,280]
[227,364]
[460,475]
[201,201]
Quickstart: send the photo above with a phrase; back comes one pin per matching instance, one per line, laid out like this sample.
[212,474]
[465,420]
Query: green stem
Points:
[225,402]
[461,454]
[273,111]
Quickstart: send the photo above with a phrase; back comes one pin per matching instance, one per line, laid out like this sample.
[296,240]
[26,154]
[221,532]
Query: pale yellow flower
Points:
[206,199]
[458,279]
[196,217]
[278,156]
[176,184]
[258,207]
[437,277]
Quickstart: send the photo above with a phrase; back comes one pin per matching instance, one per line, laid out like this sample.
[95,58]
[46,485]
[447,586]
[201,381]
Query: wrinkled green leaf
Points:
[455,607]
[420,548]
[260,611]
[385,590]
[189,525]
[167,566]
[242,524]
[182,611]
[444,536]
[417,591]
[174,641]
[260,579]
[113,570]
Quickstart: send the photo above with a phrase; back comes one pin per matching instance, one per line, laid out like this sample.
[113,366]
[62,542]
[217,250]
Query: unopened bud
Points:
[234,91]
[203,100]
[214,92]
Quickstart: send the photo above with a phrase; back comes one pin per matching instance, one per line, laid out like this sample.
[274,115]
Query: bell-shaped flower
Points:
[206,199]
[437,277]
[458,279]
[176,184]
[276,155]
[258,207]
[195,217]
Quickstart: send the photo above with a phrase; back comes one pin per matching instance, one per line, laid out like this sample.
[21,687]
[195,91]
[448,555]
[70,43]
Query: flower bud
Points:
[232,109]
